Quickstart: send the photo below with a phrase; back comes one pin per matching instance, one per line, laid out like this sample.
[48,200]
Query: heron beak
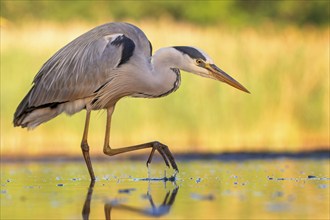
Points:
[220,75]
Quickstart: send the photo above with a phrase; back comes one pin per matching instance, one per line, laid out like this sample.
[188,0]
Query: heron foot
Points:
[165,152]
[155,145]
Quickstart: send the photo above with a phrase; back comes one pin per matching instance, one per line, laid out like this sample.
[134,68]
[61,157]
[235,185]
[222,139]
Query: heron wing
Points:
[85,64]
[76,71]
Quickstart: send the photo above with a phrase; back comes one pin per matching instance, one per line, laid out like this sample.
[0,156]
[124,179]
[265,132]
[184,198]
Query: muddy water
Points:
[204,189]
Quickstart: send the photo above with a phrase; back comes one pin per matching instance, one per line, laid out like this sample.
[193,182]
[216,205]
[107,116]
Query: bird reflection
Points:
[152,210]
[86,208]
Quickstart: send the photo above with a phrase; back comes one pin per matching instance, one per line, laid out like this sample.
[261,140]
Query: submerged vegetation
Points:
[286,68]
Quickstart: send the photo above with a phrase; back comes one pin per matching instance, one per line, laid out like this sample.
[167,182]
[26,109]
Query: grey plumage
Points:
[102,66]
[80,69]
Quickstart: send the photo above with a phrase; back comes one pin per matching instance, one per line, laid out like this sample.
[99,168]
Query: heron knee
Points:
[108,151]
[84,146]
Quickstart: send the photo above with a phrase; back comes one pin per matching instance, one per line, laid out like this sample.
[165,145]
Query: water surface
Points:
[204,189]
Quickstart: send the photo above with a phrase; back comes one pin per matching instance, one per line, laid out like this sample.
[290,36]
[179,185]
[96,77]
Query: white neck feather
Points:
[162,79]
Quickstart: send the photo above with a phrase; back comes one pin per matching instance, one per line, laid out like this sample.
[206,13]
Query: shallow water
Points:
[204,189]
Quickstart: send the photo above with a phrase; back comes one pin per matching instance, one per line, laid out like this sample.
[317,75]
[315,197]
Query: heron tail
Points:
[35,117]
[27,116]
[30,117]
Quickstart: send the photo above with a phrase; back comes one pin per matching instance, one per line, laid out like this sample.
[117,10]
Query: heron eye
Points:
[199,61]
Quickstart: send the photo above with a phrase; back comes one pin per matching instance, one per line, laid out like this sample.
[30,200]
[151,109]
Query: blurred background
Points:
[279,50]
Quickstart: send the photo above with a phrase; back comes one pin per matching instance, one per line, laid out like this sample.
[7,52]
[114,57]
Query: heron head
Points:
[198,62]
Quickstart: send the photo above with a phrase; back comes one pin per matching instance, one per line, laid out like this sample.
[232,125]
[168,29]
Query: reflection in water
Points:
[161,210]
[86,208]
[153,210]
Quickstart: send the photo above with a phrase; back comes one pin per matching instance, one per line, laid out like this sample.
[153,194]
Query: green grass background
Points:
[286,68]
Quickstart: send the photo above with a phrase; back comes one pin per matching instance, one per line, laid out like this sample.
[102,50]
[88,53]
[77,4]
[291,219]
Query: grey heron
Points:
[100,67]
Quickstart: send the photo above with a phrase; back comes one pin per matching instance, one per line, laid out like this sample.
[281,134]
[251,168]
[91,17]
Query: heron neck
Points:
[165,74]
[166,58]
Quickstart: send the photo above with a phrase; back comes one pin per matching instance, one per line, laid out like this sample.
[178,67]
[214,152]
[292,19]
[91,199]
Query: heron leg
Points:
[85,147]
[155,145]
